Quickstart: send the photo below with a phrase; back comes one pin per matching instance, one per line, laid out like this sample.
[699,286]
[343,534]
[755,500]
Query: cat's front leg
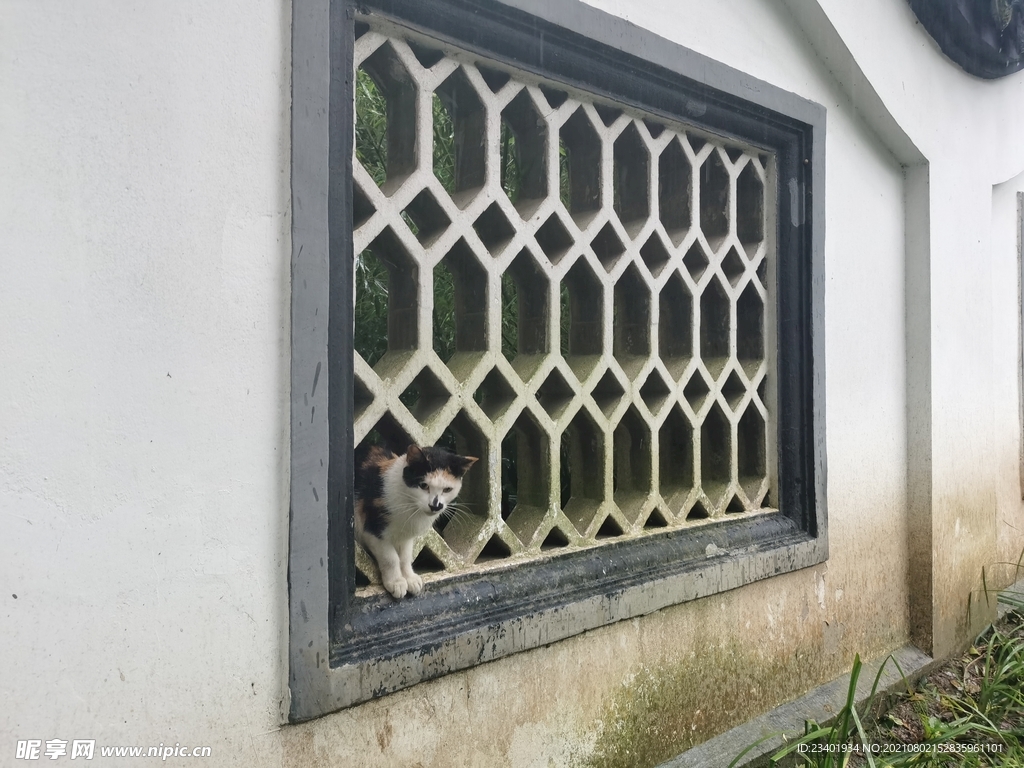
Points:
[390,566]
[414,581]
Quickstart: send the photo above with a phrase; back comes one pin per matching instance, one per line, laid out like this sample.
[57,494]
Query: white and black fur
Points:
[398,498]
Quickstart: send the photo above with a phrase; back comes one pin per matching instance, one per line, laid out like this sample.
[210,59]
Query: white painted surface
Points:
[143,404]
[1007,428]
[143,401]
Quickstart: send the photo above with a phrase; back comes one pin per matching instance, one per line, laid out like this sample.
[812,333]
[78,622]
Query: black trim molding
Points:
[345,650]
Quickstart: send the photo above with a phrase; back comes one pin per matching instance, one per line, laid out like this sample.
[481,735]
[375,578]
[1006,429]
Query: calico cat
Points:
[398,498]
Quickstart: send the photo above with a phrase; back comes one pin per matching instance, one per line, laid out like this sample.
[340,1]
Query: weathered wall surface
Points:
[143,454]
[963,128]
[1006,329]
[144,301]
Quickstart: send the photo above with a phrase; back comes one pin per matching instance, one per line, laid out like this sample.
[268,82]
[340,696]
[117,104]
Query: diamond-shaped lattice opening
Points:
[425,395]
[362,397]
[428,218]
[525,473]
[655,254]
[714,199]
[461,523]
[655,520]
[554,540]
[749,208]
[610,529]
[695,391]
[675,443]
[750,329]
[582,327]
[459,133]
[751,452]
[733,266]
[631,478]
[655,392]
[460,303]
[427,57]
[387,432]
[524,312]
[631,324]
[695,261]
[554,239]
[607,247]
[608,392]
[362,579]
[523,153]
[715,453]
[494,394]
[494,549]
[631,178]
[580,174]
[555,394]
[582,472]
[734,390]
[385,119]
[698,512]
[714,327]
[427,562]
[555,97]
[494,78]
[674,191]
[493,229]
[655,129]
[675,335]
[607,114]
[362,208]
[386,299]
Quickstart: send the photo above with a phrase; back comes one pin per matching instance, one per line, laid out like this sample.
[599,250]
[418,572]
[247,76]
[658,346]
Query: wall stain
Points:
[667,708]
[384,734]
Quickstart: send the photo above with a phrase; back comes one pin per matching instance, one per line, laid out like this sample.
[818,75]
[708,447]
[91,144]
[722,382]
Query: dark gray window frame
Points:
[343,651]
[1020,337]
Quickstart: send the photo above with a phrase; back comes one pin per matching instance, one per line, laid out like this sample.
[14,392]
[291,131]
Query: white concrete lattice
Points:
[639,280]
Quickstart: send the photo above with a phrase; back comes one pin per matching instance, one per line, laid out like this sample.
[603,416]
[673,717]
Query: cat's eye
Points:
[447,490]
[423,486]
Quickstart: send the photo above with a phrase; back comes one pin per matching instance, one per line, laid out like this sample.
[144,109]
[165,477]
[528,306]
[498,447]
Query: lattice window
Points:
[581,253]
[576,292]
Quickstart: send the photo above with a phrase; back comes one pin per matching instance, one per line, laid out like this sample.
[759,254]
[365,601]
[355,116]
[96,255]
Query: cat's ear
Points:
[414,454]
[466,462]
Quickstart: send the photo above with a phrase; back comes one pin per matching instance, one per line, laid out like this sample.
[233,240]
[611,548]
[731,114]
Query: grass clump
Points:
[970,712]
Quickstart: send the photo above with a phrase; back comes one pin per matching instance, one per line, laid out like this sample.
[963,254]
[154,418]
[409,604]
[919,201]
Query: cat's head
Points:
[435,474]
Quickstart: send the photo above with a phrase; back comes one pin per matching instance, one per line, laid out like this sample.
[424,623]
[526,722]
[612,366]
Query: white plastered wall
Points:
[965,129]
[1006,329]
[143,405]
[144,242]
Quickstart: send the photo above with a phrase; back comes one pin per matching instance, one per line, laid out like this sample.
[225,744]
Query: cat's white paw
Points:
[415,584]
[398,587]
